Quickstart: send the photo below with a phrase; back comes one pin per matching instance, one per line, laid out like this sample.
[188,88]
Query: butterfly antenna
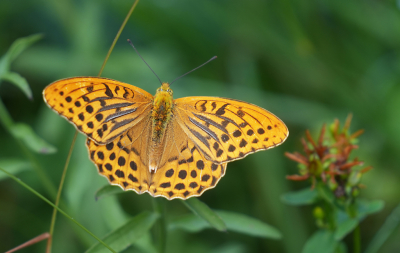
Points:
[130,42]
[213,58]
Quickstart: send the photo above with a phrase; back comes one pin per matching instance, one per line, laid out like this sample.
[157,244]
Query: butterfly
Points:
[174,148]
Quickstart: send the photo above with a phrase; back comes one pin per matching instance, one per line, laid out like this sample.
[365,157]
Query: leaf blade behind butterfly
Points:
[202,210]
[124,236]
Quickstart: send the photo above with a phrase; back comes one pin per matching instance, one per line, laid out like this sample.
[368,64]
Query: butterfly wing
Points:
[124,161]
[101,108]
[227,129]
[183,170]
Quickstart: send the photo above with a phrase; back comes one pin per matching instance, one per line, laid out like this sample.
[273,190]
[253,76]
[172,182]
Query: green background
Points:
[308,62]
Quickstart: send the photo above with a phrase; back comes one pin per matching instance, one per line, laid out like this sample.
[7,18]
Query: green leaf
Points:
[347,224]
[30,139]
[21,44]
[341,248]
[18,81]
[320,241]
[366,207]
[107,190]
[298,198]
[389,227]
[13,166]
[234,222]
[203,211]
[189,222]
[145,244]
[326,193]
[344,228]
[127,234]
[248,225]
[15,50]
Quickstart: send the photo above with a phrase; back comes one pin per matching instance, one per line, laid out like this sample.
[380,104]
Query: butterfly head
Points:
[163,98]
[165,87]
[164,91]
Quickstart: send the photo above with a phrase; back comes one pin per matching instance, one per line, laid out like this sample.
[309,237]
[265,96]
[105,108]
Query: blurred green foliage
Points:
[308,62]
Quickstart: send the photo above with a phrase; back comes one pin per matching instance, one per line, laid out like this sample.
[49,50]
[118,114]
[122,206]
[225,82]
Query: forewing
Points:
[226,129]
[183,171]
[101,108]
[124,161]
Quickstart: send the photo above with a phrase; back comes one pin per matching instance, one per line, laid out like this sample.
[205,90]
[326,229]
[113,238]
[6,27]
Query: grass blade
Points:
[61,211]
[13,166]
[18,81]
[302,197]
[31,140]
[234,222]
[203,211]
[107,190]
[127,234]
[390,225]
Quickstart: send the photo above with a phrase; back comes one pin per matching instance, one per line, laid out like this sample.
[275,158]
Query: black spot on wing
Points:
[165,185]
[202,105]
[179,186]
[237,133]
[89,88]
[169,173]
[133,165]
[89,109]
[126,94]
[110,146]
[99,117]
[182,174]
[108,91]
[132,178]
[213,104]
[221,110]
[86,99]
[240,113]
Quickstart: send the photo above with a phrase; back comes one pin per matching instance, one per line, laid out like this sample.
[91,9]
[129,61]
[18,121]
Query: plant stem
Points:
[117,36]
[32,241]
[53,218]
[357,240]
[61,211]
[160,226]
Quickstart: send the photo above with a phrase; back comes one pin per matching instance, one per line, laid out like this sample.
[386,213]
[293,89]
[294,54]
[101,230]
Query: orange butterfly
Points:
[175,148]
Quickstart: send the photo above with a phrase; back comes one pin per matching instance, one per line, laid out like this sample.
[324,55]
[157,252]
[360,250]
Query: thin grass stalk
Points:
[56,207]
[161,225]
[53,219]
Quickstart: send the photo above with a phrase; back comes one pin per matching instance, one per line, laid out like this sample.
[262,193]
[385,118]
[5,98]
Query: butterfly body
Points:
[170,148]
[162,111]
[160,117]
